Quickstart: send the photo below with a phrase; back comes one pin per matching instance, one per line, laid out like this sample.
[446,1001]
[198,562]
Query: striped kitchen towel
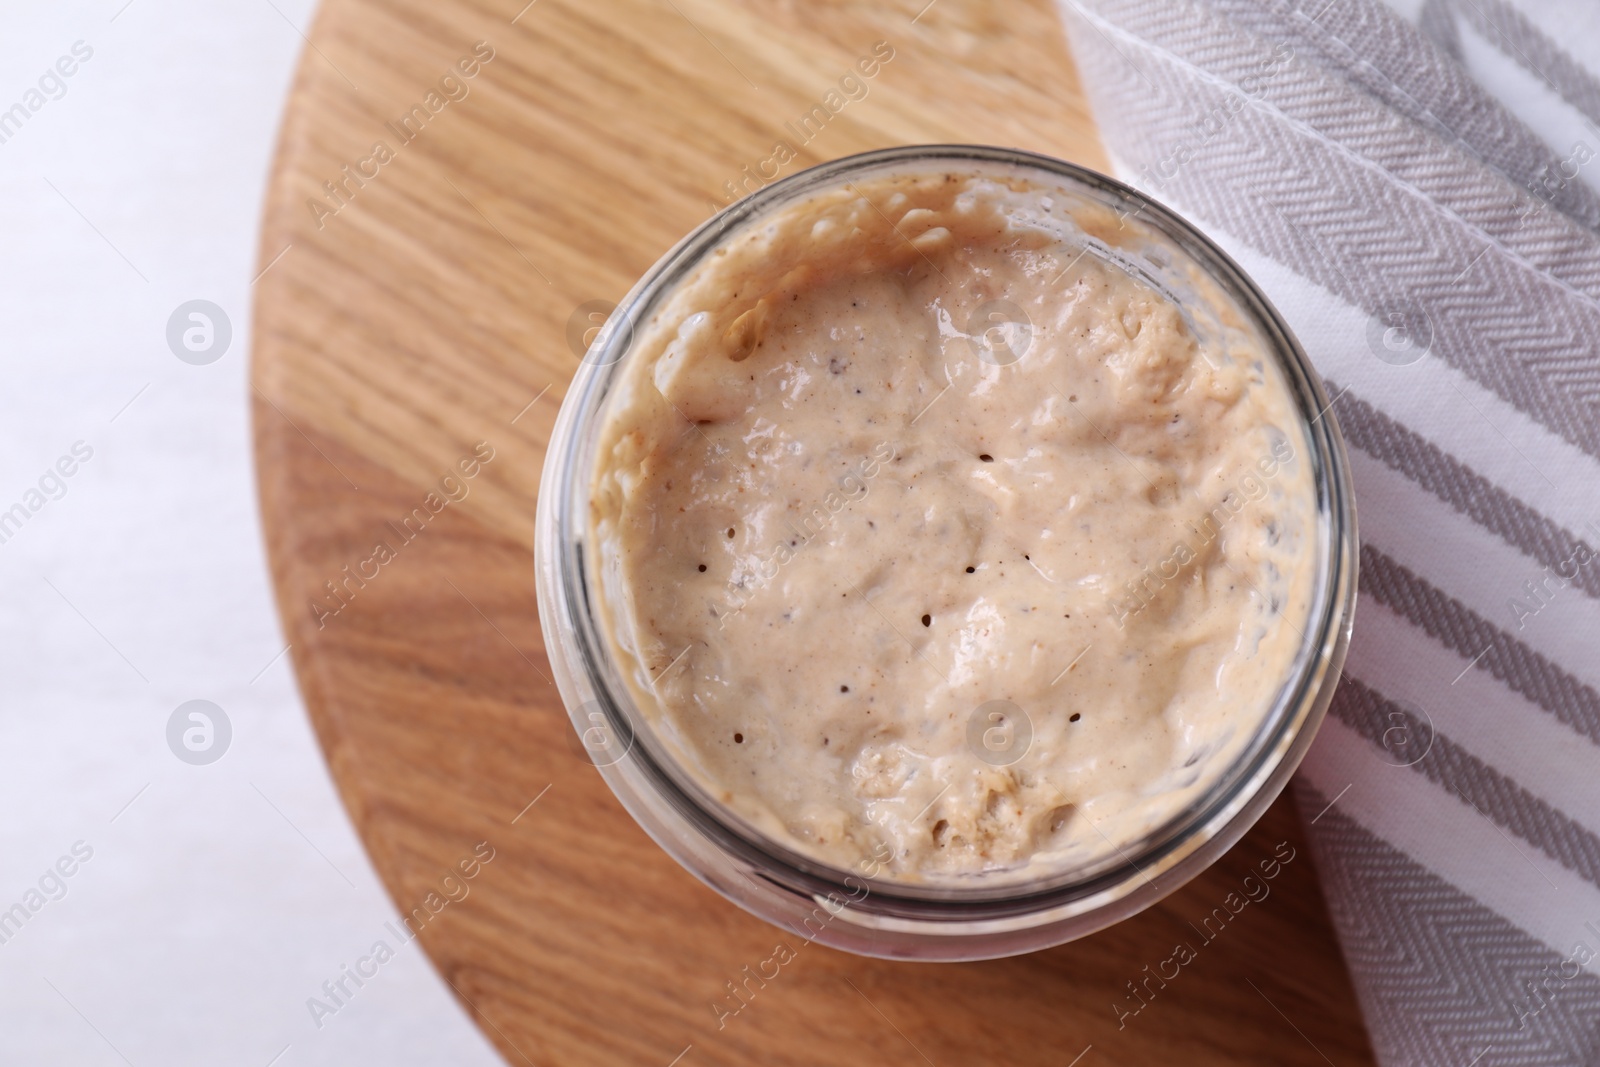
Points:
[1414,184]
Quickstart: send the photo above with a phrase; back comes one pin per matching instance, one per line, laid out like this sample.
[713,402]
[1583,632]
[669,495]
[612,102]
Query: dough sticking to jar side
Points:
[922,533]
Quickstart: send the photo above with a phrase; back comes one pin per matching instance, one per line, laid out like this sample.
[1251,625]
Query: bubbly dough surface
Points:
[923,533]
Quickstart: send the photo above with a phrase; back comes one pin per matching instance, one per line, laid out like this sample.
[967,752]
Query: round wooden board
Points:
[431,312]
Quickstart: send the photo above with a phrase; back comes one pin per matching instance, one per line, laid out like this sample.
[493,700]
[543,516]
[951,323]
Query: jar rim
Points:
[668,802]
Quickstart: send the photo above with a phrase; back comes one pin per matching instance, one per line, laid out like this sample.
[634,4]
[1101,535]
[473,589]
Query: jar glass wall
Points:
[859,909]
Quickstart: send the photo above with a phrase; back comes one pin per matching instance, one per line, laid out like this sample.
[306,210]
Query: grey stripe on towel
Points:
[1354,228]
[1421,746]
[1440,976]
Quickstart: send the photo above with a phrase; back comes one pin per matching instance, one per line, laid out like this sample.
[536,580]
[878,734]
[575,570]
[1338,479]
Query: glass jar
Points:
[856,910]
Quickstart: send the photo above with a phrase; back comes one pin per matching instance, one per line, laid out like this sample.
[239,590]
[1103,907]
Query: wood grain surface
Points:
[415,302]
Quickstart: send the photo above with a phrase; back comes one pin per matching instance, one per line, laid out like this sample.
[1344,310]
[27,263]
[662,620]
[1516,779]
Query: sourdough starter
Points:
[923,532]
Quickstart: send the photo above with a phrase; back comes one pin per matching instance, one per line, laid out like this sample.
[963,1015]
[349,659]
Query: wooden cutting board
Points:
[431,240]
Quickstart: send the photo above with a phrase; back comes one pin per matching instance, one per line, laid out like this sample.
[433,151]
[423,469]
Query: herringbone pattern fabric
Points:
[1415,188]
[1437,965]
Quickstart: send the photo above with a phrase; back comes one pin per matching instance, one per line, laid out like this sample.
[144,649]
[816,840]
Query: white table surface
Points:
[222,897]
